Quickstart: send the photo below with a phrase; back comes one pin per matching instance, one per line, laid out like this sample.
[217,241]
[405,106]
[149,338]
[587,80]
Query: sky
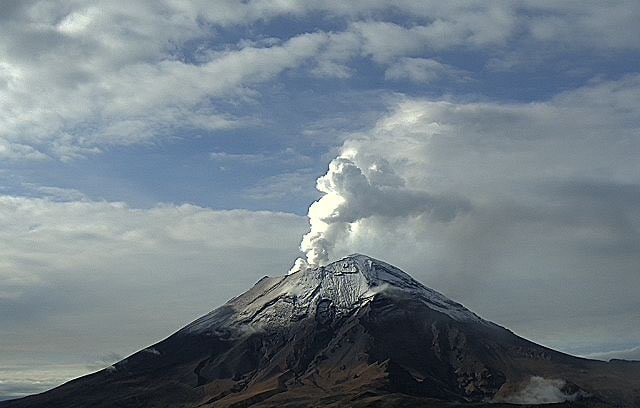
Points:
[158,157]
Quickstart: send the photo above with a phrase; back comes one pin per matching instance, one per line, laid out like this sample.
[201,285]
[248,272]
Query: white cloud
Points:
[56,193]
[632,353]
[238,157]
[13,151]
[553,189]
[72,235]
[77,77]
[595,24]
[105,276]
[423,70]
[286,156]
[330,69]
[18,380]
[339,50]
[105,76]
[132,103]
[79,21]
[553,185]
[297,185]
[384,41]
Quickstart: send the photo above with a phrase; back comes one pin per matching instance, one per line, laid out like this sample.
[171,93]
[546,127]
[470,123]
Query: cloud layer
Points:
[80,77]
[632,353]
[80,279]
[551,193]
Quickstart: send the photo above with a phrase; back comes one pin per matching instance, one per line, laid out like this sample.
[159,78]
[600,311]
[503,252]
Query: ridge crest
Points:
[346,284]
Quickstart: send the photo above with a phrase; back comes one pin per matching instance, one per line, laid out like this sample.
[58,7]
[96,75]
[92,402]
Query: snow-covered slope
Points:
[357,332]
[337,288]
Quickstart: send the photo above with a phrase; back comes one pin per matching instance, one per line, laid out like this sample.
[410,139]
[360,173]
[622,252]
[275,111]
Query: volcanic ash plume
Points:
[357,187]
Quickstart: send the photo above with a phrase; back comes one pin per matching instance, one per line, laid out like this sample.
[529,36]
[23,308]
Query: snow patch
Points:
[348,284]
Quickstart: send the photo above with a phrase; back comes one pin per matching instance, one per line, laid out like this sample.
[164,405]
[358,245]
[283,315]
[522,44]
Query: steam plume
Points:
[357,187]
[540,390]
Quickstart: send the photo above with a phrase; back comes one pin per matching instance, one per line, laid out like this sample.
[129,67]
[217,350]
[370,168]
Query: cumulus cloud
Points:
[80,77]
[133,101]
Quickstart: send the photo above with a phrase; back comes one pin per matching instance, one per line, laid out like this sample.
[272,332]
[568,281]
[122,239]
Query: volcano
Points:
[355,333]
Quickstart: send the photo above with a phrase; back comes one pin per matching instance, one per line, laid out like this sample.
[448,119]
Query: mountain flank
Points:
[355,333]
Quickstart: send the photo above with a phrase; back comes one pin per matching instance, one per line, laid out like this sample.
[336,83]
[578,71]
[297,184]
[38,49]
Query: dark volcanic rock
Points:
[355,333]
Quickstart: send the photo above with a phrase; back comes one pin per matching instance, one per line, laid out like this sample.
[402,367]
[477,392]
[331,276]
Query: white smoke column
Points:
[356,187]
[540,390]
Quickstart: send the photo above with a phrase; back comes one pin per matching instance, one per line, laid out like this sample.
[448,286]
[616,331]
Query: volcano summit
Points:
[357,332]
